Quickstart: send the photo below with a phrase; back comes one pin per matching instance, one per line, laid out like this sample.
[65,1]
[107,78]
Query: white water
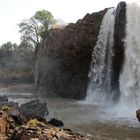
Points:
[129,79]
[100,72]
[130,76]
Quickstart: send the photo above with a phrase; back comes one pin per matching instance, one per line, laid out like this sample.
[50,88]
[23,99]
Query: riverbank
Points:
[96,121]
[16,124]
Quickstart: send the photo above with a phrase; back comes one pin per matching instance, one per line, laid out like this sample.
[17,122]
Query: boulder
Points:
[56,122]
[15,114]
[138,114]
[34,109]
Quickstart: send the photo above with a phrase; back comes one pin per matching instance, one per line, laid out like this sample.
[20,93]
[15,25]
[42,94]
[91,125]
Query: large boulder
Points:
[138,114]
[64,58]
[34,109]
[56,122]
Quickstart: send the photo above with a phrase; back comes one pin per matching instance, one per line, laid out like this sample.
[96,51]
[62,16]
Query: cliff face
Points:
[64,58]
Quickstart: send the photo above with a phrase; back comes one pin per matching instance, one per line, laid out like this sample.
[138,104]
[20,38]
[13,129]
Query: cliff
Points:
[64,58]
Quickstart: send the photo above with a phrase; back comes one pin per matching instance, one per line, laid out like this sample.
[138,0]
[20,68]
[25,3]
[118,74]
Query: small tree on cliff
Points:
[36,28]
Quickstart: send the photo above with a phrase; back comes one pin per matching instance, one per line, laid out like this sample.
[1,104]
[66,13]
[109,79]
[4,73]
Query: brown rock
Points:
[3,124]
[34,109]
[138,114]
[64,58]
[118,57]
[48,132]
[33,131]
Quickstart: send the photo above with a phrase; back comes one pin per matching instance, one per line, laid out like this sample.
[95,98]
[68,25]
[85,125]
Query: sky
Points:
[12,12]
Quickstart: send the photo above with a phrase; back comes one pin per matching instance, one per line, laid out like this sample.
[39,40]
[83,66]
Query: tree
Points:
[36,28]
[8,46]
[46,19]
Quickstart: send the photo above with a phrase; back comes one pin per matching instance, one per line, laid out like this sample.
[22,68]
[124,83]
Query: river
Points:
[95,120]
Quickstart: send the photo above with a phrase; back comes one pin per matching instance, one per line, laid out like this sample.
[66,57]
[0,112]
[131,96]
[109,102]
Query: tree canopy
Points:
[34,29]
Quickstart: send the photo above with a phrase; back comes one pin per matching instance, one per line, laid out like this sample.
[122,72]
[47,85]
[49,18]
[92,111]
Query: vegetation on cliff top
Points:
[34,29]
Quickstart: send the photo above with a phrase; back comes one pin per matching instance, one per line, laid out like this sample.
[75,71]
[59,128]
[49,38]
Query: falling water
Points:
[100,72]
[130,76]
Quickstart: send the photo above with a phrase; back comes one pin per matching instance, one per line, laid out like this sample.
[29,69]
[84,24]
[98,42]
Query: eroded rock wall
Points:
[119,36]
[64,58]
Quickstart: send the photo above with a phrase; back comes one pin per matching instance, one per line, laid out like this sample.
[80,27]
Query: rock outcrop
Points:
[43,131]
[34,109]
[138,114]
[11,129]
[118,57]
[64,58]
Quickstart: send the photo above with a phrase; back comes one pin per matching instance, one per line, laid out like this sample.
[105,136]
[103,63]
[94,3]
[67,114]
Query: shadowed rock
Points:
[118,57]
[56,122]
[34,109]
[33,130]
[65,55]
[138,114]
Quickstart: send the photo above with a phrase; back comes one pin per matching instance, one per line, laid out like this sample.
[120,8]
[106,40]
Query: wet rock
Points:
[118,57]
[34,109]
[138,114]
[56,122]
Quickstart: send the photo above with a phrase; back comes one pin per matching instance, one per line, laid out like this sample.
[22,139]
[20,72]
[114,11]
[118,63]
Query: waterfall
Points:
[100,71]
[130,76]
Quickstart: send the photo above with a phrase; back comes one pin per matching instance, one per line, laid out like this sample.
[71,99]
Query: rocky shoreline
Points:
[16,124]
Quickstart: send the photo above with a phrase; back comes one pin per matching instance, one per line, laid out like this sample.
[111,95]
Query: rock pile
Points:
[21,125]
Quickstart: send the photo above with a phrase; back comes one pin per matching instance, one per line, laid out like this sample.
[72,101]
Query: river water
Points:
[97,121]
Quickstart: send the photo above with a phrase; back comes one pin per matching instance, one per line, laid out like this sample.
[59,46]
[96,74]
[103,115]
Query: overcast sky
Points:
[13,12]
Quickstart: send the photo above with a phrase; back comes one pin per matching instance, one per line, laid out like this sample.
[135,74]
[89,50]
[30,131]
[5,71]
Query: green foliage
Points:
[5,108]
[18,58]
[33,30]
[8,46]
[33,122]
[46,19]
[30,31]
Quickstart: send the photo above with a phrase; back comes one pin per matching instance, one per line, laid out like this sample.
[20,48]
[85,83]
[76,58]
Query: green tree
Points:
[8,46]
[46,19]
[36,28]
